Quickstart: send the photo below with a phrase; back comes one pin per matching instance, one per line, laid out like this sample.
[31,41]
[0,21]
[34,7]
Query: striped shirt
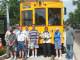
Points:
[34,35]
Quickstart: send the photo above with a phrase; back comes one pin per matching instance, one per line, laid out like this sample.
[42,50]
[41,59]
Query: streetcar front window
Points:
[40,17]
[27,17]
[54,16]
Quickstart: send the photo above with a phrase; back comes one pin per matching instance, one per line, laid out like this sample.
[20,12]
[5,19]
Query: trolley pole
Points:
[7,14]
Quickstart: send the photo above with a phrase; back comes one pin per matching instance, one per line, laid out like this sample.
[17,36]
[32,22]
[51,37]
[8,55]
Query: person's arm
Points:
[37,37]
[25,40]
[50,36]
[6,37]
[73,34]
[29,37]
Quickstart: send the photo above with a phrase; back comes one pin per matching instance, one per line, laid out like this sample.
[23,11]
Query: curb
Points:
[3,55]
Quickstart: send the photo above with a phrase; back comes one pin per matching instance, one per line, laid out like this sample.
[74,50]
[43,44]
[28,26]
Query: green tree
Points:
[74,17]
[2,7]
[13,10]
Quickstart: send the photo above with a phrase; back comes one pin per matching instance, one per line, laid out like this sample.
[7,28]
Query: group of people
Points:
[20,42]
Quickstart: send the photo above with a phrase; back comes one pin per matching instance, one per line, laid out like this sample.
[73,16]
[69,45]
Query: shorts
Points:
[12,48]
[57,44]
[33,45]
[20,45]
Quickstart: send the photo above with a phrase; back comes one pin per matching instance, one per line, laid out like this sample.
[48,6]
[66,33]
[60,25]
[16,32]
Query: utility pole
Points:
[7,14]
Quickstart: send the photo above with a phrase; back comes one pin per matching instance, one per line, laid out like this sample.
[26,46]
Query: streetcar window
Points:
[40,17]
[27,17]
[54,16]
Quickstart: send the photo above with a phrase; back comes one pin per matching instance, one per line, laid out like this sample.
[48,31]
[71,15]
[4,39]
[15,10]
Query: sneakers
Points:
[60,58]
[15,58]
[56,57]
[35,56]
[27,55]
[11,58]
[32,56]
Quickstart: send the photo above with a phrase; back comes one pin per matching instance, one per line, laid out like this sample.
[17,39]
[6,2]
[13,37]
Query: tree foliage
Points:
[74,17]
[13,10]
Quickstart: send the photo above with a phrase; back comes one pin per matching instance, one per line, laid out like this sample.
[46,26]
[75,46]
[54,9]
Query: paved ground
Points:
[41,58]
[76,51]
[77,46]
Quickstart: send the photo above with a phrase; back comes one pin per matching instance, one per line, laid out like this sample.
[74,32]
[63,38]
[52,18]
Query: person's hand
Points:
[51,30]
[25,44]
[37,42]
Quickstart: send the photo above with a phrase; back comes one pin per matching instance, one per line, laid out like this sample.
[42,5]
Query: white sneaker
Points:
[27,55]
[35,56]
[11,58]
[15,58]
[56,57]
[60,58]
[32,56]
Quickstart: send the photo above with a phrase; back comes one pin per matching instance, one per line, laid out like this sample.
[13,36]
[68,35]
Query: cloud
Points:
[69,6]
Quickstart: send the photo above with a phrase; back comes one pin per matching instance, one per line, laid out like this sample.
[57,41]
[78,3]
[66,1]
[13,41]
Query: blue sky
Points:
[70,7]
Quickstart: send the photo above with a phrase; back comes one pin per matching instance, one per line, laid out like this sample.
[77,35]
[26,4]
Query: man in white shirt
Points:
[46,42]
[21,43]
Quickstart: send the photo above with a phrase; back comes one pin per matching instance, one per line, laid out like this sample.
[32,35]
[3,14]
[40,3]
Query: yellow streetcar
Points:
[43,13]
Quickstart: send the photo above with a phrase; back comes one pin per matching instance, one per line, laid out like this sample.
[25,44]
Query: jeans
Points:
[69,50]
[46,49]
[20,45]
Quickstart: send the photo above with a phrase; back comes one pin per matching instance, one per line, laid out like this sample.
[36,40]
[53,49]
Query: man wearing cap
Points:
[57,42]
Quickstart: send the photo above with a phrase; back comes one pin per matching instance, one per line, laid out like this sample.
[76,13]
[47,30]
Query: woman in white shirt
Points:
[46,43]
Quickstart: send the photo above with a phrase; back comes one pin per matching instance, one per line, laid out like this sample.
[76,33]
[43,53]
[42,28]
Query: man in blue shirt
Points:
[57,42]
[69,42]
